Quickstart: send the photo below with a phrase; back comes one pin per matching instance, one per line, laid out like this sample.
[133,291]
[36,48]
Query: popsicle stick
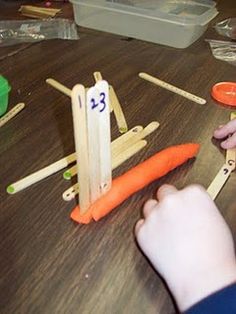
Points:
[10,114]
[78,98]
[225,171]
[127,142]
[219,181]
[70,193]
[98,77]
[172,88]
[41,174]
[119,115]
[62,88]
[93,144]
[116,144]
[231,153]
[39,9]
[151,127]
[104,137]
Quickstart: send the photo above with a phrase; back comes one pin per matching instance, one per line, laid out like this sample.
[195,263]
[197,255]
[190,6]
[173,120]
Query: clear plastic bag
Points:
[223,50]
[227,28]
[22,31]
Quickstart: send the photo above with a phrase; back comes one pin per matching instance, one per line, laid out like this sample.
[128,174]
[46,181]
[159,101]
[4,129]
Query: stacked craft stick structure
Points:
[86,124]
[96,156]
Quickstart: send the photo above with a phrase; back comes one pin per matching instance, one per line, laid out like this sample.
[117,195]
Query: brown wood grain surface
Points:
[48,263]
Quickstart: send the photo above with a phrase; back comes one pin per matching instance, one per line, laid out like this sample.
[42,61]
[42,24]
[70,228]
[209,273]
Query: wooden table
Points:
[50,264]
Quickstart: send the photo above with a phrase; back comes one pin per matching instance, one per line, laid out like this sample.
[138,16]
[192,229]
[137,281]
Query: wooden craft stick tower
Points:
[91,119]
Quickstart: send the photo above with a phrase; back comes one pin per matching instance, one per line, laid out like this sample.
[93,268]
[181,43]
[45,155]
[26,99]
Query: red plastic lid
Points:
[225,92]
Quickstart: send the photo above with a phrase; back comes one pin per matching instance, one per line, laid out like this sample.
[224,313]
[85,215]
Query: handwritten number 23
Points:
[101,102]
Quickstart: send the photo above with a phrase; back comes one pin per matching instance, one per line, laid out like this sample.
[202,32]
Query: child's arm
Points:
[188,242]
[225,131]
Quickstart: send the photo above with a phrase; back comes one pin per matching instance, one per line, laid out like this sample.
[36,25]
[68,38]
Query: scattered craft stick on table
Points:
[40,174]
[12,113]
[224,172]
[172,88]
[38,12]
[60,87]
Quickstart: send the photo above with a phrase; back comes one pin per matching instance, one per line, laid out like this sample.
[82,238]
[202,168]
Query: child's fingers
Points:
[138,226]
[165,190]
[230,142]
[148,207]
[225,130]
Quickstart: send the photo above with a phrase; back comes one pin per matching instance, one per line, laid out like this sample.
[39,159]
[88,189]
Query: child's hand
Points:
[225,131]
[188,242]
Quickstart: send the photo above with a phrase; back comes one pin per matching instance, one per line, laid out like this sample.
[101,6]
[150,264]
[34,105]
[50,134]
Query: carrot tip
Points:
[82,219]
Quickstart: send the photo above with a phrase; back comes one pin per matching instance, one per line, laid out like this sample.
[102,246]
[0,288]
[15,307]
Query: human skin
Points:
[227,132]
[188,242]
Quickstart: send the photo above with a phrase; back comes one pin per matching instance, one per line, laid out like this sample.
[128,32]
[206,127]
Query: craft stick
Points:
[93,171]
[118,143]
[62,88]
[225,171]
[172,88]
[40,174]
[40,9]
[70,193]
[10,114]
[104,137]
[117,147]
[151,127]
[98,77]
[119,115]
[78,98]
[231,153]
[219,181]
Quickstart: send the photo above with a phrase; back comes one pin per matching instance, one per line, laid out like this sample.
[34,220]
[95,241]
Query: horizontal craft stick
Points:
[172,88]
[135,179]
[70,193]
[41,174]
[51,169]
[118,146]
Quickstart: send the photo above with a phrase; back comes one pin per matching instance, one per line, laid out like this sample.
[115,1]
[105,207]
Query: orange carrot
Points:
[135,179]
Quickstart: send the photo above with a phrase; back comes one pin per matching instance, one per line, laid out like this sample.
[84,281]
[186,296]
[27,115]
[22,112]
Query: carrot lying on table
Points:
[135,179]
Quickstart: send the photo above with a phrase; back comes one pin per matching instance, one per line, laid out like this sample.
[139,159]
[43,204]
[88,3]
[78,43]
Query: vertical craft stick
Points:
[231,153]
[104,137]
[81,143]
[98,77]
[225,171]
